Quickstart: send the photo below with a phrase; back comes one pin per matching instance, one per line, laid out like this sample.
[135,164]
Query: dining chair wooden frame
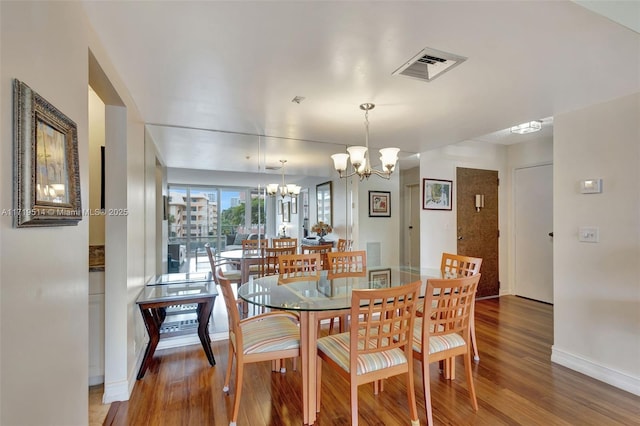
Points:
[321,249]
[383,323]
[459,265]
[269,336]
[344,244]
[233,275]
[456,265]
[444,331]
[271,259]
[347,264]
[284,242]
[299,267]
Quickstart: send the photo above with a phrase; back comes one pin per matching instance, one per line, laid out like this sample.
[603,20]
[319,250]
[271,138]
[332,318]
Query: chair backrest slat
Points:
[284,242]
[235,331]
[253,247]
[299,267]
[271,259]
[382,319]
[322,250]
[344,244]
[451,302]
[347,264]
[456,265]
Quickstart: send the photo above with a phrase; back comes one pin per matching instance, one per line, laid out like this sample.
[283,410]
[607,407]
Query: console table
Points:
[159,299]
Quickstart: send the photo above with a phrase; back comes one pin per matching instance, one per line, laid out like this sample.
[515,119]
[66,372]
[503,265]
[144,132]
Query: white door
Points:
[533,215]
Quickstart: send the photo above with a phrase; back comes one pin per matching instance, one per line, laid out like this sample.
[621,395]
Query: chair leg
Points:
[426,385]
[318,382]
[236,399]
[227,378]
[472,329]
[472,390]
[411,398]
[354,402]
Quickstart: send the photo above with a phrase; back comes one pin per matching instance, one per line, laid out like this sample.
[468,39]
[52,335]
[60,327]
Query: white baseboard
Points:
[599,372]
[116,391]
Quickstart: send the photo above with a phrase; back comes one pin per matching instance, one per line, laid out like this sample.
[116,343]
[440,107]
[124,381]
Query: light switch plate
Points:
[589,234]
[591,186]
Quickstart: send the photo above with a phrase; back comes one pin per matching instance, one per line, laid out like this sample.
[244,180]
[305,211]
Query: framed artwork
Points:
[304,199]
[286,212]
[46,181]
[379,204]
[436,194]
[279,207]
[294,204]
[380,278]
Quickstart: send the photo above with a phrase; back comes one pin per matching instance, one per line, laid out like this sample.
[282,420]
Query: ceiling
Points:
[214,81]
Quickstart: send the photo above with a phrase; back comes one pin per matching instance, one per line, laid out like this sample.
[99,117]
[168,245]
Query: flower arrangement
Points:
[321,228]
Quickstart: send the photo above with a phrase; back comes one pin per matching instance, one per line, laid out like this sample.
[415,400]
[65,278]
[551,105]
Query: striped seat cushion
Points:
[232,274]
[269,334]
[436,343]
[336,347]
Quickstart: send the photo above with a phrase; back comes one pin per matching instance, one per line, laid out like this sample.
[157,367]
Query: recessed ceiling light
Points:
[529,127]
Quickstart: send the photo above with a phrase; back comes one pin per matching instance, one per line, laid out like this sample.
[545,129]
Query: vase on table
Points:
[322,240]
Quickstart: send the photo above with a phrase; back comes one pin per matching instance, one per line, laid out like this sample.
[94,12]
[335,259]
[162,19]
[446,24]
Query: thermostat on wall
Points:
[591,186]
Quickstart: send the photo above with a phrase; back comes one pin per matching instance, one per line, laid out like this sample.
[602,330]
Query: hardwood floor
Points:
[515,382]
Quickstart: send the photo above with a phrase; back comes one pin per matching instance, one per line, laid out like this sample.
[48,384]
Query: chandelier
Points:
[291,190]
[359,156]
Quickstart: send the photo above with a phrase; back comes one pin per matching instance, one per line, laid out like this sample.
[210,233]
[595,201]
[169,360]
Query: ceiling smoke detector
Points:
[429,64]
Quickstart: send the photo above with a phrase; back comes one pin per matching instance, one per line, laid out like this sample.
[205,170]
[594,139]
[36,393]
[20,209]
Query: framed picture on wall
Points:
[436,194]
[379,204]
[380,278]
[286,212]
[46,181]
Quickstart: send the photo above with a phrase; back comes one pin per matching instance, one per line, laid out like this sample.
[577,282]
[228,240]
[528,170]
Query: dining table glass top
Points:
[327,293]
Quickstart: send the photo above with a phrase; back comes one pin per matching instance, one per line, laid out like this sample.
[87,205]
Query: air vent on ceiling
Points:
[429,64]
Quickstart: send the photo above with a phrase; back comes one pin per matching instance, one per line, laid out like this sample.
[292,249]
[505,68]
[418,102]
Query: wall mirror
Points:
[324,204]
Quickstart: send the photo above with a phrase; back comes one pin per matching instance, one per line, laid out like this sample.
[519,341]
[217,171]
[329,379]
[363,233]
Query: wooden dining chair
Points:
[453,266]
[231,268]
[322,250]
[254,249]
[269,336]
[443,332]
[377,345]
[345,264]
[271,259]
[299,267]
[284,242]
[344,244]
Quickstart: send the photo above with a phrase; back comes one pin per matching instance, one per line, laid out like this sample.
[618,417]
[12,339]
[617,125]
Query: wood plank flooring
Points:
[515,381]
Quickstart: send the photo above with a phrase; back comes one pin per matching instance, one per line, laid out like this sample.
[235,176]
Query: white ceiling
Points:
[209,76]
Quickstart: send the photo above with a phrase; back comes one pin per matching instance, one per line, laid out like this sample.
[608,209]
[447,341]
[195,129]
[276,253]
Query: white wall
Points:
[438,228]
[597,286]
[44,272]
[383,230]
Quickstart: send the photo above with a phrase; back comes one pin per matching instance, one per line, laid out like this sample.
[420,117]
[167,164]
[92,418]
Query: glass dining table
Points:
[315,300]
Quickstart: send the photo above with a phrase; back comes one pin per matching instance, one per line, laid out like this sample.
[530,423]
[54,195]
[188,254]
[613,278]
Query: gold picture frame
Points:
[46,173]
